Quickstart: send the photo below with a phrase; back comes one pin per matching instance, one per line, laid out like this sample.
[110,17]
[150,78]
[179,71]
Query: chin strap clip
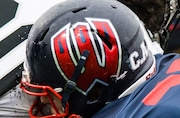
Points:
[71,83]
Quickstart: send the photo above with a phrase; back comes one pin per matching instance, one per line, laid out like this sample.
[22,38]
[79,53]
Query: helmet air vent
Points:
[78,9]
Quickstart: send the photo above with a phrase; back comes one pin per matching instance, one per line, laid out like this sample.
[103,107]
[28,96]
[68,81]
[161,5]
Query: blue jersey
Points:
[158,97]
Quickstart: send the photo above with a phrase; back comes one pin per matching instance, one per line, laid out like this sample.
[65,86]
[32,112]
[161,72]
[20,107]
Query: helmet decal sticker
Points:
[96,35]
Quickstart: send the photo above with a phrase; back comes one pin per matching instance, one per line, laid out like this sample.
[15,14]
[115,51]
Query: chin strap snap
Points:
[71,83]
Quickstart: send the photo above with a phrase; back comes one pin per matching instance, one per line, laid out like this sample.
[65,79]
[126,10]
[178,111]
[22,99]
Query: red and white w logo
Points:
[96,35]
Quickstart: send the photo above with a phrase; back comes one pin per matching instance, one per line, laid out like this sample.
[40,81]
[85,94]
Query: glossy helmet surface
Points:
[87,48]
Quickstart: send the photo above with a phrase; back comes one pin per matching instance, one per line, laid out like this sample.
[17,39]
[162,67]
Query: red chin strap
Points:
[36,110]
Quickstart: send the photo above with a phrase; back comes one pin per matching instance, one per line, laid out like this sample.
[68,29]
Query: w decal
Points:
[96,35]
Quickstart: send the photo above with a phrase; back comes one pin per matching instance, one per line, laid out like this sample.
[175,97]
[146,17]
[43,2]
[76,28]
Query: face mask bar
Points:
[38,90]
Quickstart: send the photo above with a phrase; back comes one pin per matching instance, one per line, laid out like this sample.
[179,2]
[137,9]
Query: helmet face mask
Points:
[39,109]
[83,50]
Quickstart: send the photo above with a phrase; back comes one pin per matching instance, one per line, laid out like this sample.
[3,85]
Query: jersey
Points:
[157,97]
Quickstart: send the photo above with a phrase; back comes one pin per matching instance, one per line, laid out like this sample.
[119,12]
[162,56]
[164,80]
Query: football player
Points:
[16,20]
[83,54]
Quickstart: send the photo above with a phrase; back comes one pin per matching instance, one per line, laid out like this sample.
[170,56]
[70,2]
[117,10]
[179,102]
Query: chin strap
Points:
[71,83]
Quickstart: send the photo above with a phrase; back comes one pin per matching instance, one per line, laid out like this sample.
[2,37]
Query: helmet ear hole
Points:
[79,9]
[95,93]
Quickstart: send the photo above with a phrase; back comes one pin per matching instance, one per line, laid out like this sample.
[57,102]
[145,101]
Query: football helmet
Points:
[87,53]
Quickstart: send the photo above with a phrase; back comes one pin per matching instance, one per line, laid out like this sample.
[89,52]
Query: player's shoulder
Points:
[167,56]
[168,62]
[155,97]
